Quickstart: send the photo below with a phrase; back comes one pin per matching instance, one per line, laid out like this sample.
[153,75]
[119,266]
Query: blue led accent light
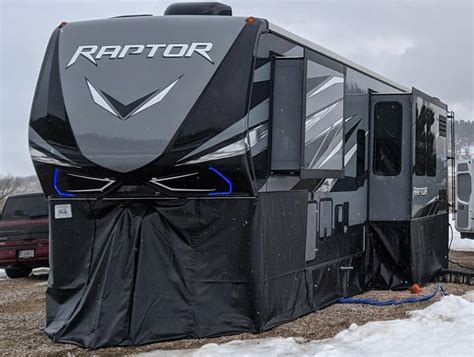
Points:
[56,187]
[226,179]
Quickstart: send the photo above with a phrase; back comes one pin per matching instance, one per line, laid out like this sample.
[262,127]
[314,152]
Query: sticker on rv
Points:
[420,191]
[62,211]
[169,50]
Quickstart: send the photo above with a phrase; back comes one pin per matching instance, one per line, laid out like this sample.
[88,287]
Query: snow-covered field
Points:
[445,328]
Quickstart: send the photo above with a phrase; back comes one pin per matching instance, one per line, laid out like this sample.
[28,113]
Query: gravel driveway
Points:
[22,315]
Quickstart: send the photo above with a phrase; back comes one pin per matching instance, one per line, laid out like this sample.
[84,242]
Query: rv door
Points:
[390,157]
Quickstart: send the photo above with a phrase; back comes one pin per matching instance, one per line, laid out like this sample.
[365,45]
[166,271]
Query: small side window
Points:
[425,139]
[464,187]
[287,104]
[387,138]
[360,164]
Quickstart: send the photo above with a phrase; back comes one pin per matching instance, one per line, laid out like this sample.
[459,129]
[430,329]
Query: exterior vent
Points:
[442,126]
[199,8]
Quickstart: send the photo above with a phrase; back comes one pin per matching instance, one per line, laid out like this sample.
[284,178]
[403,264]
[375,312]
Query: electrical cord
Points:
[452,236]
[460,265]
[351,300]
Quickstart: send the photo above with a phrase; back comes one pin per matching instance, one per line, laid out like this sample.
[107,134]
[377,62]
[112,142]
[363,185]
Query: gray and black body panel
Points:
[216,189]
[408,185]
[151,118]
[358,204]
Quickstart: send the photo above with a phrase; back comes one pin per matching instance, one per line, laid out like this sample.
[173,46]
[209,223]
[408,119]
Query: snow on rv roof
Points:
[324,51]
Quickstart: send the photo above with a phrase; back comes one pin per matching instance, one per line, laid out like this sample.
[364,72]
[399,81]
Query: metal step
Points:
[456,277]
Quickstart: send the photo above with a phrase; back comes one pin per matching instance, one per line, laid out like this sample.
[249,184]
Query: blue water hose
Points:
[351,300]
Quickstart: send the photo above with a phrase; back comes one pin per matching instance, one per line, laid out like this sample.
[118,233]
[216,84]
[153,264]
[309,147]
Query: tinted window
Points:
[25,208]
[464,187]
[360,166]
[425,144]
[287,115]
[387,138]
[420,143]
[430,144]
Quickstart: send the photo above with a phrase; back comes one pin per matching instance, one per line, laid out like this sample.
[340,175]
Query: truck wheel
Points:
[22,272]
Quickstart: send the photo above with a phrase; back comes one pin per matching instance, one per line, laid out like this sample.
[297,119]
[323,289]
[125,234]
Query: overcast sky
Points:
[426,44]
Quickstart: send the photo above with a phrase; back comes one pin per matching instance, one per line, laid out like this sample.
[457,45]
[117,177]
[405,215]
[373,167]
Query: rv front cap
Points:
[173,50]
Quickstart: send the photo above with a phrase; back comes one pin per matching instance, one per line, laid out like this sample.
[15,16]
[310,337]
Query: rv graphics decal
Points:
[126,111]
[420,191]
[173,50]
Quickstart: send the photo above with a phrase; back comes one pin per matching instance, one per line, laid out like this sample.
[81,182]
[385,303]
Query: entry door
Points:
[390,157]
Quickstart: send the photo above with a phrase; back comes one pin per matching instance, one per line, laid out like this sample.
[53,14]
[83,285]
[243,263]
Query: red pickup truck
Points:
[24,234]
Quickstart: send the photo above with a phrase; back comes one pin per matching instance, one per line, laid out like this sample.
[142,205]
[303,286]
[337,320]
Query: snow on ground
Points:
[2,274]
[445,328]
[459,243]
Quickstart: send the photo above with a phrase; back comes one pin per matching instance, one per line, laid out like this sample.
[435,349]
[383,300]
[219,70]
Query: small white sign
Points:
[62,211]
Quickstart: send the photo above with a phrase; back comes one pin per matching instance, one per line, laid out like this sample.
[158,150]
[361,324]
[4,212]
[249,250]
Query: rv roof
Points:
[324,51]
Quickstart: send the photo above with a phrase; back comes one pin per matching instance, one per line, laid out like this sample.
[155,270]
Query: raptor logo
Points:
[126,111]
[93,53]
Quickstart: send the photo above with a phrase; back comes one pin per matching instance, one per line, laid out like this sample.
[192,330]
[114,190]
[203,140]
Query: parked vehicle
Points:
[24,234]
[465,199]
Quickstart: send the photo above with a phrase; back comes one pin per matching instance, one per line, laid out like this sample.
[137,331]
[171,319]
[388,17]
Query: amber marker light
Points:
[250,20]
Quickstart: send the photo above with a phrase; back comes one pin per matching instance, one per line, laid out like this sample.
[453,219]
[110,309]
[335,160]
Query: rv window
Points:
[464,187]
[430,145]
[360,164]
[287,114]
[420,144]
[425,140]
[387,138]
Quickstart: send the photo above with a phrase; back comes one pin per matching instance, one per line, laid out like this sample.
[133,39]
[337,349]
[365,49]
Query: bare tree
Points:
[8,185]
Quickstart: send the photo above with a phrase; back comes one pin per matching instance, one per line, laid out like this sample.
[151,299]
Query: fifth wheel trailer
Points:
[210,174]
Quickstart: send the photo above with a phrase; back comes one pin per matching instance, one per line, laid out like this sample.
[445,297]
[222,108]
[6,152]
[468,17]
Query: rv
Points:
[464,199]
[211,174]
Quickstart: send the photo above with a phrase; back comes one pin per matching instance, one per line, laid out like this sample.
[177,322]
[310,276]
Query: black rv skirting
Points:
[399,254]
[139,271]
[132,272]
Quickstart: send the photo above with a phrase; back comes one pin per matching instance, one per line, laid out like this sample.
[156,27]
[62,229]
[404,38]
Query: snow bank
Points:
[458,243]
[445,328]
[2,274]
